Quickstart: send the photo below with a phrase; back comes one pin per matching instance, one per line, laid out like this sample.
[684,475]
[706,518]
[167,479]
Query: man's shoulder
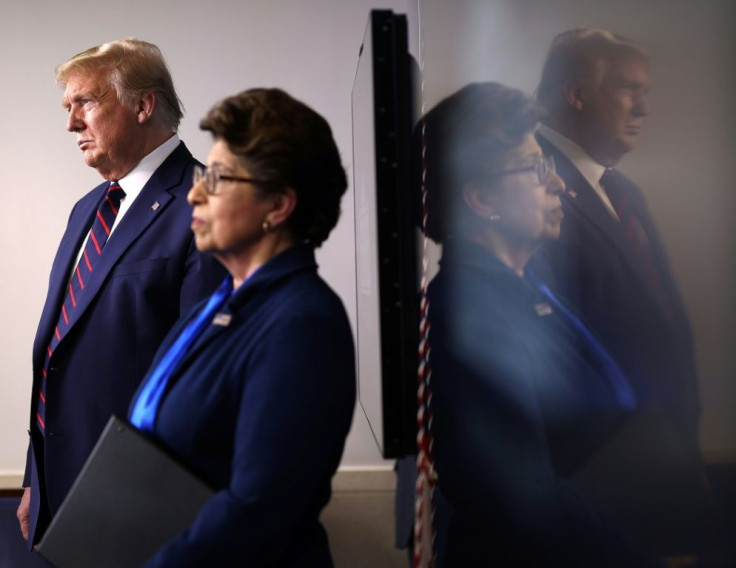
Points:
[174,175]
[180,154]
[179,161]
[565,168]
[629,184]
[546,142]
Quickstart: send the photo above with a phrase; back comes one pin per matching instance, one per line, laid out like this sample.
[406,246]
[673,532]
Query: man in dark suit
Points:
[126,267]
[611,265]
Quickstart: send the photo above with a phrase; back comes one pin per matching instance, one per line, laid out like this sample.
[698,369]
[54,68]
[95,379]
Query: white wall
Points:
[214,49]
[685,161]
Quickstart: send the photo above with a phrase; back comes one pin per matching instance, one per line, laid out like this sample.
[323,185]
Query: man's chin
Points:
[95,163]
[203,244]
[92,160]
[626,143]
[551,232]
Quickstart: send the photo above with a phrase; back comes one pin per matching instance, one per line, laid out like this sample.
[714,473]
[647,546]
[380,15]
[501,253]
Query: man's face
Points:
[108,132]
[612,116]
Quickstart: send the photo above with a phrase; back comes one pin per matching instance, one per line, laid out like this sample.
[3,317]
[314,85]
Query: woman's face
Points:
[230,222]
[527,209]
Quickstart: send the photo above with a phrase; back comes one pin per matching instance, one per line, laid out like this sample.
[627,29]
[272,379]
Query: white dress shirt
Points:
[591,170]
[133,183]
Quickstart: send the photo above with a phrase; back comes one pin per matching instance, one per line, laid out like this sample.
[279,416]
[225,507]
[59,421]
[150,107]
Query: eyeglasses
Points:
[543,167]
[212,177]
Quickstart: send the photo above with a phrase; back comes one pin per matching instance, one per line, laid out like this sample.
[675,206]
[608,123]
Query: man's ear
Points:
[284,203]
[144,107]
[479,200]
[574,95]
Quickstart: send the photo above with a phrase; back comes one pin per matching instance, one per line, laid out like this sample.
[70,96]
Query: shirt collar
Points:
[295,259]
[460,251]
[460,254]
[587,166]
[134,181]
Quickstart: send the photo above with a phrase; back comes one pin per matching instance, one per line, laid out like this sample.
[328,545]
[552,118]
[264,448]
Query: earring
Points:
[493,217]
[266,226]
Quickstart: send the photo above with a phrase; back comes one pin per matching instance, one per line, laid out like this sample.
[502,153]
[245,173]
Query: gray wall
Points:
[685,161]
[309,48]
[214,48]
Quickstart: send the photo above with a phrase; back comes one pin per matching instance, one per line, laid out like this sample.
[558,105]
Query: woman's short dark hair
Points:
[284,142]
[467,138]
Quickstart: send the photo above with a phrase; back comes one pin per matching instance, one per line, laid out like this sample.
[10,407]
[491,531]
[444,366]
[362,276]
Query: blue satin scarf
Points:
[145,407]
[618,382]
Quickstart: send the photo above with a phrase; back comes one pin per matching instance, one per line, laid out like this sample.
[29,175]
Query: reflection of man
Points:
[124,271]
[611,264]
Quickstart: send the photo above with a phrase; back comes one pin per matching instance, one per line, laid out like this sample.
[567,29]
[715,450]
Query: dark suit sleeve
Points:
[29,452]
[27,472]
[293,417]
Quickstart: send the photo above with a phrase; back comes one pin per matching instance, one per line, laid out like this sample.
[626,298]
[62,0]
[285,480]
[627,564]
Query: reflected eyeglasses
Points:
[543,167]
[212,177]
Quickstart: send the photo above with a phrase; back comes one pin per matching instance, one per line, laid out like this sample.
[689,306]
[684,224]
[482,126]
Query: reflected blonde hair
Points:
[580,56]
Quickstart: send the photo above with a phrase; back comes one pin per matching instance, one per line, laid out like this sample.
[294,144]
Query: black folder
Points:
[130,498]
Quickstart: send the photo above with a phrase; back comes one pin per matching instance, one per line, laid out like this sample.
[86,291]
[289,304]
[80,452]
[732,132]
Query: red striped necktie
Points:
[614,185]
[98,236]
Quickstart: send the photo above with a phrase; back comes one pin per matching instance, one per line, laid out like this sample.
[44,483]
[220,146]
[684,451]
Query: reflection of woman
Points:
[523,393]
[260,388]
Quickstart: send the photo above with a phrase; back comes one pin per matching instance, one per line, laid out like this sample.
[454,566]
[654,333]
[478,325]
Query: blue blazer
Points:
[521,402]
[149,274]
[659,490]
[259,408]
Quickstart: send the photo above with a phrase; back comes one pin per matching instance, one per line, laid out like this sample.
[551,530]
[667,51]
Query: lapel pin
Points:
[571,193]
[155,206]
[543,309]
[222,320]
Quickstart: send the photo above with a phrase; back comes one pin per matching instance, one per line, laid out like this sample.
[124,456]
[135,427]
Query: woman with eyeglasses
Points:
[254,389]
[524,395]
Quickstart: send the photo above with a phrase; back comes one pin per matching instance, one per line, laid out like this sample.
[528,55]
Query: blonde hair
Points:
[135,68]
[580,56]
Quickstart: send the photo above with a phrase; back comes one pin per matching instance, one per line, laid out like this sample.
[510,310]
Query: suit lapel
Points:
[658,252]
[148,206]
[582,200]
[65,261]
[244,304]
[211,332]
[250,296]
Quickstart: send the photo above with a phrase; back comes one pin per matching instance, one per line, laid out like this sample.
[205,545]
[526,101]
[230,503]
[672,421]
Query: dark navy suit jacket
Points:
[657,458]
[594,268]
[259,408]
[148,274]
[521,402]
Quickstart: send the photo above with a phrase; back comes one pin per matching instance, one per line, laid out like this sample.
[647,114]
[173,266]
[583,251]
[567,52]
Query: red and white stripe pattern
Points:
[424,533]
[98,235]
